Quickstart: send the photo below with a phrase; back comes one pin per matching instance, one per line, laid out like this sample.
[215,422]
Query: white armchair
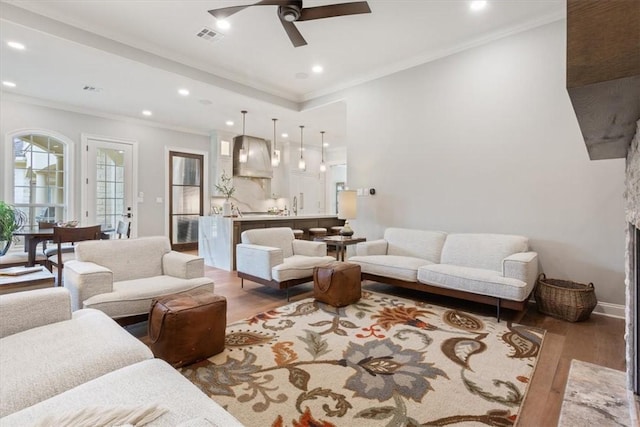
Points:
[274,258]
[121,277]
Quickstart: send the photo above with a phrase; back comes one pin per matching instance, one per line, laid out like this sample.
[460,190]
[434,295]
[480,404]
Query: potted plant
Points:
[11,219]
[227,189]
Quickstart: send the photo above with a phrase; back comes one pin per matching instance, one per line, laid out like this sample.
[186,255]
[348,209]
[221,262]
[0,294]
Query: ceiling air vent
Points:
[208,34]
[89,88]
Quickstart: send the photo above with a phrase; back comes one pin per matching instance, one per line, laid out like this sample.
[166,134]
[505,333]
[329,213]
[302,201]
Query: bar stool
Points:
[335,230]
[298,233]
[317,232]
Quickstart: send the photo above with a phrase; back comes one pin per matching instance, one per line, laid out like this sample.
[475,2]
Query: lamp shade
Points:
[347,204]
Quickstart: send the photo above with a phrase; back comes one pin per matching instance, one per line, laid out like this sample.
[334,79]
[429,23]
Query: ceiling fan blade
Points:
[329,11]
[225,12]
[293,33]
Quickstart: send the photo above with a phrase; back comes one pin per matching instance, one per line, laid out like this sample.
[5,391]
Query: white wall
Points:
[486,141]
[152,142]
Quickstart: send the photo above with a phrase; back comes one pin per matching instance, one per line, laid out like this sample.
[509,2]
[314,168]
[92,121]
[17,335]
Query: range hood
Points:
[258,163]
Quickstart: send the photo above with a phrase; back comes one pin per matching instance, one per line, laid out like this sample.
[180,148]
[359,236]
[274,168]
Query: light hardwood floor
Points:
[599,340]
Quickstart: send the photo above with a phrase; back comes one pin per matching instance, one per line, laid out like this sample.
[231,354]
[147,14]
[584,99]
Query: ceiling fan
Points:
[290,11]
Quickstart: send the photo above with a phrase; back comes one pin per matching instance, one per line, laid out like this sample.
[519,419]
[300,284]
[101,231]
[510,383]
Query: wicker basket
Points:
[564,299]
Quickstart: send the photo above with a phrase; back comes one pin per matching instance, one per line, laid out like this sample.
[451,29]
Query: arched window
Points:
[40,176]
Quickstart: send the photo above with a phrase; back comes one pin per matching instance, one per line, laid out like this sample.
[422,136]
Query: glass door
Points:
[185,199]
[109,184]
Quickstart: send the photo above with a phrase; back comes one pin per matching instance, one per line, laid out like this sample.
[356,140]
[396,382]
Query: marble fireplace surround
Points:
[632,214]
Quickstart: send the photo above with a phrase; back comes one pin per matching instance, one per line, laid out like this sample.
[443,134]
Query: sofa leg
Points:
[287,293]
[242,282]
[498,310]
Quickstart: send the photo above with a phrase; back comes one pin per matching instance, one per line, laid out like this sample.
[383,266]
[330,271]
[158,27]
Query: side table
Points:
[340,244]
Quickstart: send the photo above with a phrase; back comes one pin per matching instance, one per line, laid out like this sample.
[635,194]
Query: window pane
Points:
[185,228]
[38,173]
[186,171]
[186,200]
[111,173]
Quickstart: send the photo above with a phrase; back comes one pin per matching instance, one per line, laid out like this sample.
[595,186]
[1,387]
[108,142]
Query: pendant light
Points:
[244,156]
[323,166]
[275,158]
[301,163]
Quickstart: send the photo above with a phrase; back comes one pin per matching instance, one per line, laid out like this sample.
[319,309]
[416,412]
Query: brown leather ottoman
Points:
[337,284]
[187,327]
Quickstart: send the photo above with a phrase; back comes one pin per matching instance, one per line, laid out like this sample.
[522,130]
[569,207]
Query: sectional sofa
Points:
[496,269]
[58,366]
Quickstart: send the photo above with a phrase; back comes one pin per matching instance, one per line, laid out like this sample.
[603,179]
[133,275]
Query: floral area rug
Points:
[384,361]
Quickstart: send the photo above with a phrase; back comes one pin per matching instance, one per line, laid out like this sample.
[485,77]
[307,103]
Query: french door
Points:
[109,182]
[186,193]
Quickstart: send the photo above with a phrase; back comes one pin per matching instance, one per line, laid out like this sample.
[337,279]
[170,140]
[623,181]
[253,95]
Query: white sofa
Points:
[121,277]
[54,362]
[495,269]
[273,257]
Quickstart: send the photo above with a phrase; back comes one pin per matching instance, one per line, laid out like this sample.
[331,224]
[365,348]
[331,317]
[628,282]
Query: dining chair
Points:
[69,235]
[123,228]
[43,225]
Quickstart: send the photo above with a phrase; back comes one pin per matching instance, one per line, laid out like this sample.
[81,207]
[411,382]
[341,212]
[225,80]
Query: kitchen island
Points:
[218,235]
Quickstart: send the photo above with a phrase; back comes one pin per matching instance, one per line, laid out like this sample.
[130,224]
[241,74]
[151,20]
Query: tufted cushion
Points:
[277,237]
[128,259]
[415,243]
[144,383]
[133,297]
[62,355]
[396,267]
[298,266]
[481,250]
[474,280]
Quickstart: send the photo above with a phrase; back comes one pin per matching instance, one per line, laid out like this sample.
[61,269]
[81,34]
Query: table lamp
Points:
[347,210]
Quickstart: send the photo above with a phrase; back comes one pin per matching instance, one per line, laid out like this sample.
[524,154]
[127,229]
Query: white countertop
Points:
[279,218]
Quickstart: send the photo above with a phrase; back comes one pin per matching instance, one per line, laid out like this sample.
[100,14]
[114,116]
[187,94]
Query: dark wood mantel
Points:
[603,72]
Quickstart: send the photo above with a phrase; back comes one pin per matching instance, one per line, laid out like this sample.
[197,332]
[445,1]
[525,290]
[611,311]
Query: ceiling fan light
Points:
[223,24]
[478,5]
[289,13]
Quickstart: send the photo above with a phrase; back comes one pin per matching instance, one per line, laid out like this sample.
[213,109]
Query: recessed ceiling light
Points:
[146,113]
[223,24]
[183,92]
[16,45]
[285,135]
[317,69]
[478,5]
[229,123]
[8,84]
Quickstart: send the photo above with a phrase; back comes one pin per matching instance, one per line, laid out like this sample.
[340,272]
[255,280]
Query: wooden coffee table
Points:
[26,282]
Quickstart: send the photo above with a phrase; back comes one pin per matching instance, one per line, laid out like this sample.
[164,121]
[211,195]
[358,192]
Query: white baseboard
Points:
[611,310]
